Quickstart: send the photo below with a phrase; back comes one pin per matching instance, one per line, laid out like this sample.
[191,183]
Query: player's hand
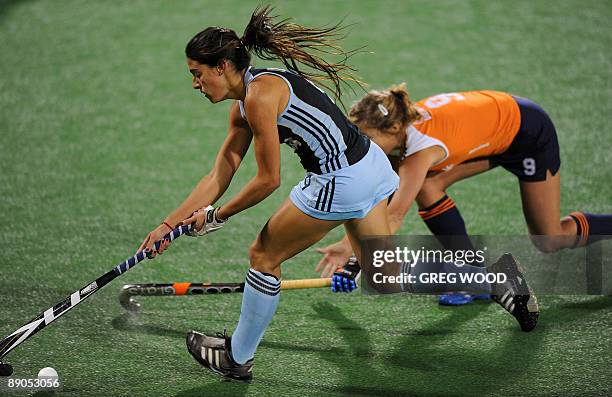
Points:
[156,235]
[334,257]
[204,221]
[345,279]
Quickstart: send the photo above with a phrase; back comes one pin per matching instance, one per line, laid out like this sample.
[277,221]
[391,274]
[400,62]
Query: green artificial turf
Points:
[102,136]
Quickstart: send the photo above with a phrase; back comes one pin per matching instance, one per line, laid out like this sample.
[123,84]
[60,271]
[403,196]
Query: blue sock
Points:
[259,302]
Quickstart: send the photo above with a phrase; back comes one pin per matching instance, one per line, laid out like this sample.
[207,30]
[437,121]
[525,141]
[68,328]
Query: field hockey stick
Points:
[126,296]
[50,315]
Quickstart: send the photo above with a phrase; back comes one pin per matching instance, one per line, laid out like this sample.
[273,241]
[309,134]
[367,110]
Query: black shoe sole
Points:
[527,321]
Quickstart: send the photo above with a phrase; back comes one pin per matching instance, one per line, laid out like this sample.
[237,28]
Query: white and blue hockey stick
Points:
[53,313]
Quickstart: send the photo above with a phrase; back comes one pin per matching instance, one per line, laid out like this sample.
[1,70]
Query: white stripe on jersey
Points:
[326,120]
[317,129]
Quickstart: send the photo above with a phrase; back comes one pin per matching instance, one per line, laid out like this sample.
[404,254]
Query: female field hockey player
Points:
[449,137]
[348,177]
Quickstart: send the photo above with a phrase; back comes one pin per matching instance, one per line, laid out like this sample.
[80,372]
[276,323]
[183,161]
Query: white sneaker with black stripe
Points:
[515,295]
[215,354]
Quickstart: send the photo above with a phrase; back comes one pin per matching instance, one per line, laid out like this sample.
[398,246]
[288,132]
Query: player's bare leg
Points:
[541,202]
[288,232]
[541,206]
[375,223]
[435,185]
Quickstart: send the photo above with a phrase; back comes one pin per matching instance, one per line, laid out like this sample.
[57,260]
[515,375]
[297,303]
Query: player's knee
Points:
[547,248]
[256,252]
[546,244]
[260,259]
[431,191]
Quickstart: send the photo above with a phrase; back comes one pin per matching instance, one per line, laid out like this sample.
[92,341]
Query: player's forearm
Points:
[412,174]
[401,202]
[398,208]
[206,192]
[255,191]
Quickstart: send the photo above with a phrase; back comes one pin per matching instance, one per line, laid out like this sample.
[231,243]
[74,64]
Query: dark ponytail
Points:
[284,41]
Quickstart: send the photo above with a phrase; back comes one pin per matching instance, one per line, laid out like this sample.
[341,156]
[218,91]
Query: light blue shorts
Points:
[347,193]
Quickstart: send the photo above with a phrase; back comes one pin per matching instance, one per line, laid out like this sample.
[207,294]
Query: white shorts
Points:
[347,193]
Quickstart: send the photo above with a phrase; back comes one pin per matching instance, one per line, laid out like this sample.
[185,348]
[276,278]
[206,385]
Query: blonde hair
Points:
[382,109]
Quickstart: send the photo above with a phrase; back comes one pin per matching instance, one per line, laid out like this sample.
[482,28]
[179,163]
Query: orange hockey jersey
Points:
[467,125]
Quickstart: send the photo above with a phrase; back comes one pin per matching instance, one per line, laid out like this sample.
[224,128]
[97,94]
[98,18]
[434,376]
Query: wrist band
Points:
[166,223]
[217,218]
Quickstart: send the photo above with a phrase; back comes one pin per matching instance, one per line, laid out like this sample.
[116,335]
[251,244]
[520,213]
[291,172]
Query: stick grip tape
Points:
[306,283]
